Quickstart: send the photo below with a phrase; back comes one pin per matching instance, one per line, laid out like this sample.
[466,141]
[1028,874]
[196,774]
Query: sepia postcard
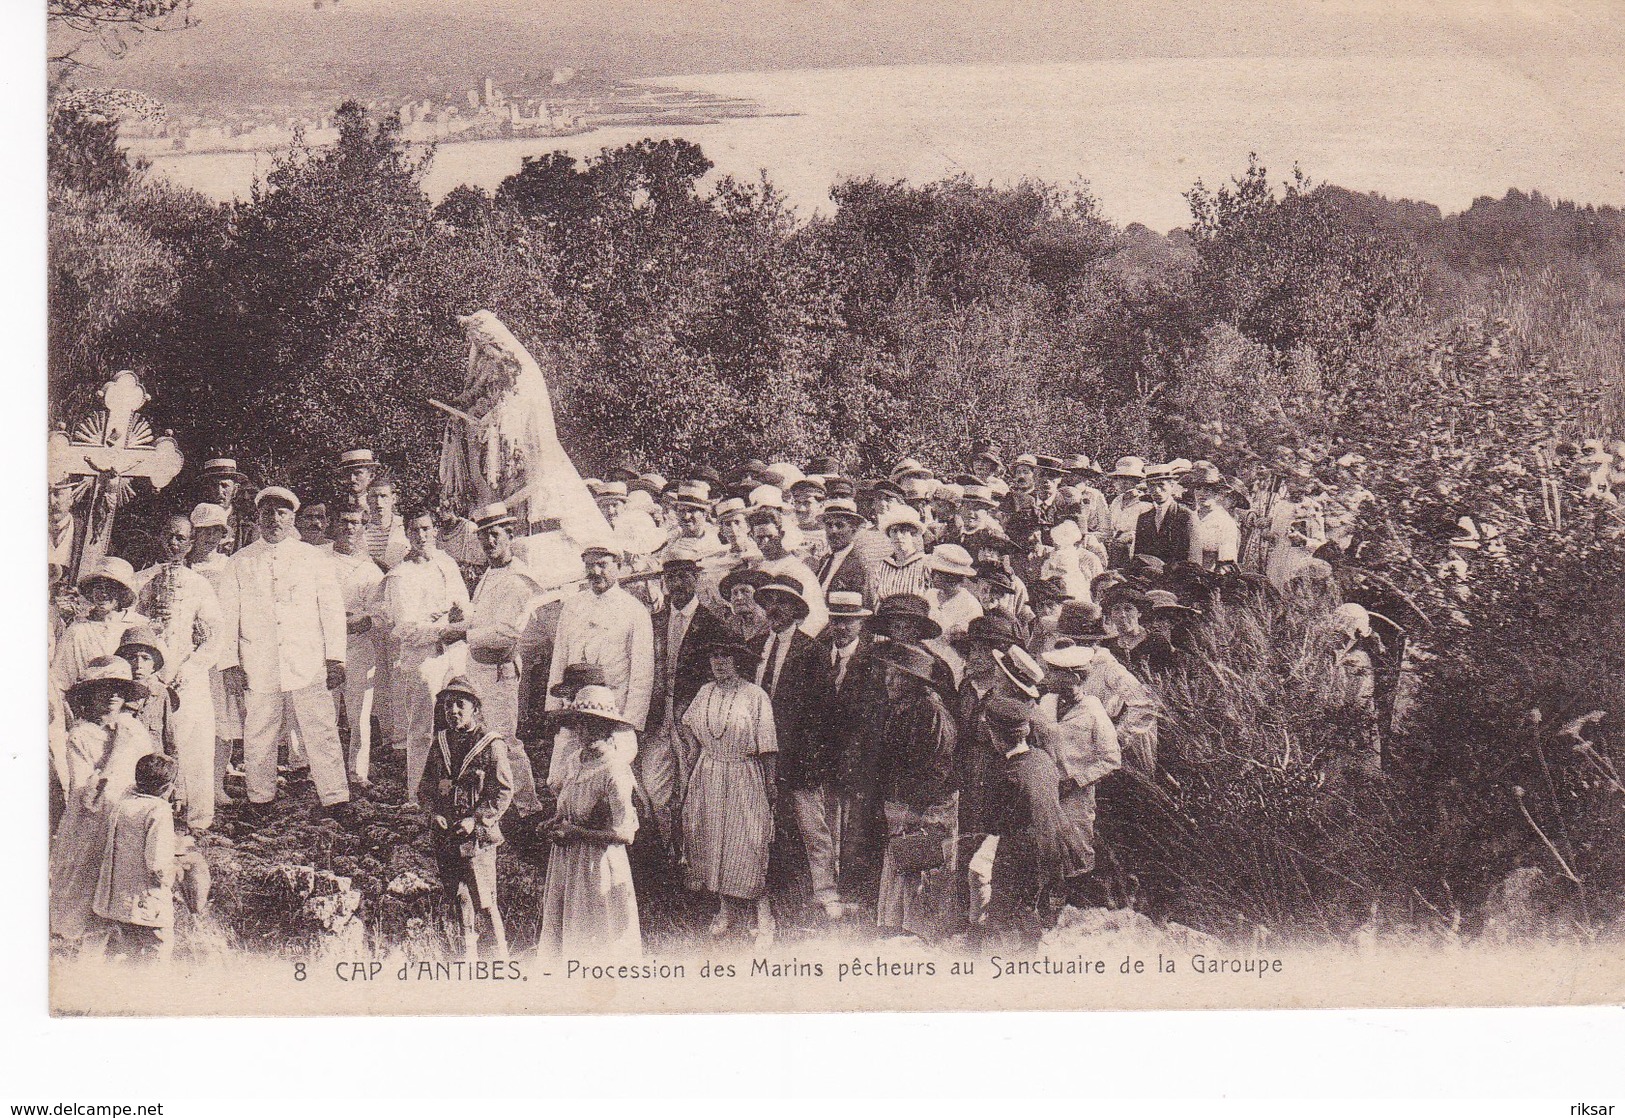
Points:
[783,505]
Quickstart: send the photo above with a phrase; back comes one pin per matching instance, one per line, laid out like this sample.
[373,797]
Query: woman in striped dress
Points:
[730,745]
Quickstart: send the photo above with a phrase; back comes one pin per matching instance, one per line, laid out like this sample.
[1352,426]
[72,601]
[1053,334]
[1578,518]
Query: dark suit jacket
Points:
[693,666]
[1172,542]
[806,757]
[851,575]
[850,714]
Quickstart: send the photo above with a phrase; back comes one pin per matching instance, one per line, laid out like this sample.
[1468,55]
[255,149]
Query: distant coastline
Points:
[576,107]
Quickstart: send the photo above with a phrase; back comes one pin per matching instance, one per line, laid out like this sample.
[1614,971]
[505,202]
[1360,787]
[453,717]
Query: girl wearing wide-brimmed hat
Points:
[102,749]
[589,907]
[730,743]
[108,590]
[467,788]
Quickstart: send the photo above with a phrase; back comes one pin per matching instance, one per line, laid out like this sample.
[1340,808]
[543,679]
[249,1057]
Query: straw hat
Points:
[902,516]
[594,701]
[1020,669]
[493,515]
[206,515]
[112,672]
[1129,467]
[143,637]
[116,571]
[951,559]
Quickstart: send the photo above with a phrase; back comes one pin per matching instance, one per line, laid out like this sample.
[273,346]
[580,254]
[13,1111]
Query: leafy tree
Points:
[322,233]
[1298,269]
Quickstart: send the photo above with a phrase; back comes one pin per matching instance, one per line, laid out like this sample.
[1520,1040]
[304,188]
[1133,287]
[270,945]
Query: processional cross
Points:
[101,460]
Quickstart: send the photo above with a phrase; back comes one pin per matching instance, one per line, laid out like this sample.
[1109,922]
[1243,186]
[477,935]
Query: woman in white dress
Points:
[589,907]
[730,745]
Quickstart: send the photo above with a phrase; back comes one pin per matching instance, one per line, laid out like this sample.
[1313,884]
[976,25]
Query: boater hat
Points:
[1020,669]
[1129,467]
[784,588]
[693,495]
[493,515]
[223,467]
[1050,464]
[847,603]
[355,459]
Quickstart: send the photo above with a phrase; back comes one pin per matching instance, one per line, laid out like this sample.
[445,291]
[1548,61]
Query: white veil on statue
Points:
[501,444]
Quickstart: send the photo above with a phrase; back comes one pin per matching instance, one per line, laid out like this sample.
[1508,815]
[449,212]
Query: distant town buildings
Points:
[557,102]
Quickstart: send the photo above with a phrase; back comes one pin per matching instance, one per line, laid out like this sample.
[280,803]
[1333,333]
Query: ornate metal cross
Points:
[101,460]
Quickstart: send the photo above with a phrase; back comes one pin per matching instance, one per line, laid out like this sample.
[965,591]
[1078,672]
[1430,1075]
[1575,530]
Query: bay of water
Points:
[1140,131]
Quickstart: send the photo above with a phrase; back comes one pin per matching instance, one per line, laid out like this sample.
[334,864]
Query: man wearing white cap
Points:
[606,626]
[283,650]
[426,601]
[497,618]
[182,604]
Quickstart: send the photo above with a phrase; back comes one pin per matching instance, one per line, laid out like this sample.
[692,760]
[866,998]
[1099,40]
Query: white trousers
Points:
[310,712]
[818,818]
[498,688]
[194,723]
[360,679]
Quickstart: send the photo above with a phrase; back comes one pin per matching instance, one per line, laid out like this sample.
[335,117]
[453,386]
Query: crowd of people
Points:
[807,697]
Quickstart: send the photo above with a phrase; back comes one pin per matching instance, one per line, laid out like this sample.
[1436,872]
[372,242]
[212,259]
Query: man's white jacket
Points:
[283,615]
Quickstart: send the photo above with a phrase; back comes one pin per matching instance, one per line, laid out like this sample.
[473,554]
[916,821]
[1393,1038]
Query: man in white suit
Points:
[283,650]
[606,626]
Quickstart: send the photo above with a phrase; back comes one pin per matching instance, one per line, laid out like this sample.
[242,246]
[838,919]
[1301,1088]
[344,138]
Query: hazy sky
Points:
[653,37]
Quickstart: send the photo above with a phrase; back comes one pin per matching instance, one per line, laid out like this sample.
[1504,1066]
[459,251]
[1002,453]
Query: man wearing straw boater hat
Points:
[1163,531]
[499,614]
[843,568]
[222,483]
[354,471]
[792,669]
[683,629]
[283,648]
